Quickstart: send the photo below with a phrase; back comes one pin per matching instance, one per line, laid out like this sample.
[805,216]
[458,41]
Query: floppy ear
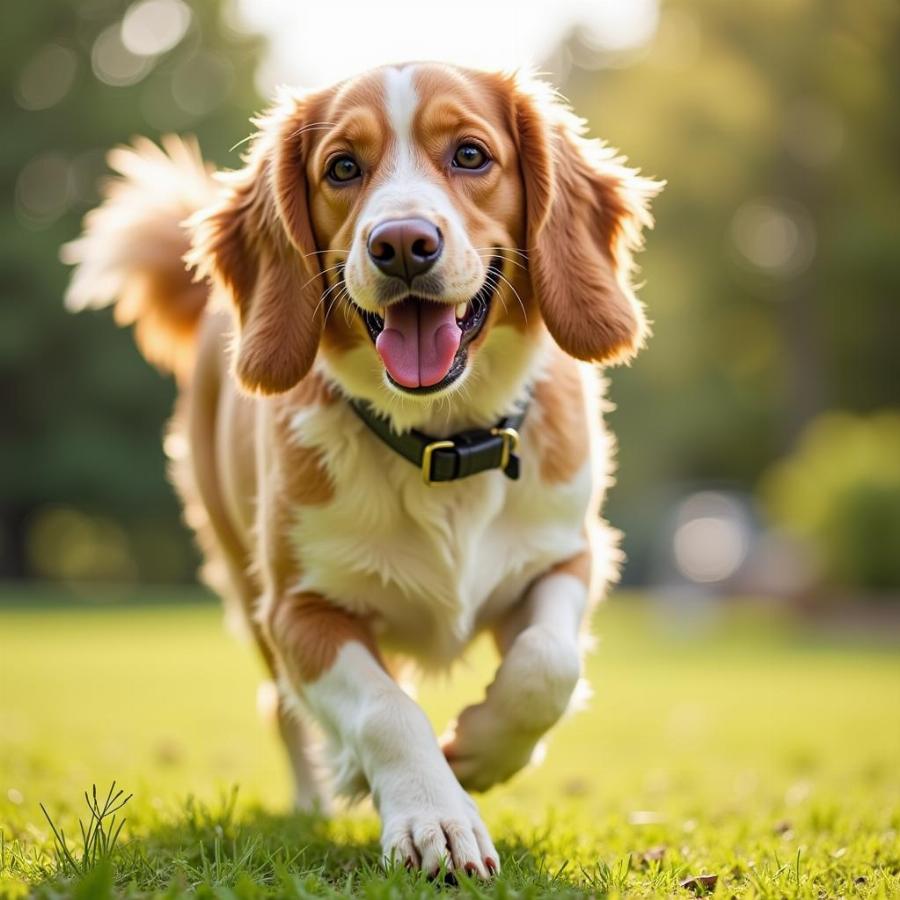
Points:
[584,214]
[257,242]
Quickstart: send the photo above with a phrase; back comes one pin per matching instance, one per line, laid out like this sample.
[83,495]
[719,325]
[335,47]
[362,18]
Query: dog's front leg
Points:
[541,645]
[328,658]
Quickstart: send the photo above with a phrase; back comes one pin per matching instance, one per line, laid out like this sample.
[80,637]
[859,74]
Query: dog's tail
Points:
[132,250]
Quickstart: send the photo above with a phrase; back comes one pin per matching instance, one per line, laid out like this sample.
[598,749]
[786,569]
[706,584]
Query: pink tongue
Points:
[418,342]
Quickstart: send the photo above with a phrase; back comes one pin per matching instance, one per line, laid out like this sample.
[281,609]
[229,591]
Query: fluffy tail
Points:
[131,253]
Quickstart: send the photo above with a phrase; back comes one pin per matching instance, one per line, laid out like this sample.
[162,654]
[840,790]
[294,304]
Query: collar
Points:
[456,456]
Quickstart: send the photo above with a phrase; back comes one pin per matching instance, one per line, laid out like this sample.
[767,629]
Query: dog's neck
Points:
[499,379]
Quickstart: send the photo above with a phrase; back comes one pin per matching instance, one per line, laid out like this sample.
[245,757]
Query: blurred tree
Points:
[773,276]
[82,413]
[840,492]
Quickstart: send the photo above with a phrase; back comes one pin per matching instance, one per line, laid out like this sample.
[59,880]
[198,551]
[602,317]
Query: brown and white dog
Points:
[442,248]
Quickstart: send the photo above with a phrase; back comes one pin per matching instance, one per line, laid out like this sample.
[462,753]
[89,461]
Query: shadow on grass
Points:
[217,852]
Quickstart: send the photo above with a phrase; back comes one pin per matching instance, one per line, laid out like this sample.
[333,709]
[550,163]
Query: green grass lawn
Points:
[737,745]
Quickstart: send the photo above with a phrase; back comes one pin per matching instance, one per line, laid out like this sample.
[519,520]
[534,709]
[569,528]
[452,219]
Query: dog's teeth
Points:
[461,310]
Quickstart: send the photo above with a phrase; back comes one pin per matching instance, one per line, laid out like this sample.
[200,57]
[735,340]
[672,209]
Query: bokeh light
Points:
[113,63]
[44,190]
[47,77]
[151,27]
[711,538]
[774,237]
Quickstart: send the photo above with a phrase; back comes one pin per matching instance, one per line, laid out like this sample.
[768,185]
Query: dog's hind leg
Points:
[197,474]
[295,734]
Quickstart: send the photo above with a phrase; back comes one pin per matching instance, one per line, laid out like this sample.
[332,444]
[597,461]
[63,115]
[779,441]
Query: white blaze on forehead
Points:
[401,100]
[407,188]
[408,185]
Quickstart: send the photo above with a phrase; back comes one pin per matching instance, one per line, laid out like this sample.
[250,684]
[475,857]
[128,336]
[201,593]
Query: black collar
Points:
[454,457]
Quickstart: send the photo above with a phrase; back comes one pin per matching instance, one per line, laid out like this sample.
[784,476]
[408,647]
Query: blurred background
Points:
[747,669]
[759,433]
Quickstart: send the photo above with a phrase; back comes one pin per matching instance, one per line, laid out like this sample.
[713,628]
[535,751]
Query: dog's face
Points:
[396,222]
[415,192]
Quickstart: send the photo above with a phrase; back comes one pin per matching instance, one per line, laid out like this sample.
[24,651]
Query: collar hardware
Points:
[510,438]
[427,453]
[456,456]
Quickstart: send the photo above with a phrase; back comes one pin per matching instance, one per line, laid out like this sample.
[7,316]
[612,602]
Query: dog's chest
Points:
[430,565]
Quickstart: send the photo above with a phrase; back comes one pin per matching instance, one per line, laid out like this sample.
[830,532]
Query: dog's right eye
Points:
[343,168]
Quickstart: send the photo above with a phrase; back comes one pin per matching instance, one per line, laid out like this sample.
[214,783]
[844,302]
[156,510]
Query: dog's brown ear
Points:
[584,214]
[257,242]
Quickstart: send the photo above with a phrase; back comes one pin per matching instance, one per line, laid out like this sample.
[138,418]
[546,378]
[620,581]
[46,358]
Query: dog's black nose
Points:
[405,247]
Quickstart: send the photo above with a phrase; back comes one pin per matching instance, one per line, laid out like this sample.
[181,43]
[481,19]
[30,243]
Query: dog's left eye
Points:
[344,168]
[470,156]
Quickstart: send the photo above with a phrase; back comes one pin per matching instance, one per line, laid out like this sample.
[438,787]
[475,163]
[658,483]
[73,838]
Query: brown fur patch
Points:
[308,632]
[578,566]
[561,433]
[304,479]
[294,476]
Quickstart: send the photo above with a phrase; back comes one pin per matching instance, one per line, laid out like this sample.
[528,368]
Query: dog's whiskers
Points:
[344,301]
[324,296]
[501,249]
[324,253]
[489,257]
[321,274]
[507,282]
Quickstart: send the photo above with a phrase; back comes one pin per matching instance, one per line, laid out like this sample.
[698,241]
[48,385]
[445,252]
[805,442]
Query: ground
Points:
[719,742]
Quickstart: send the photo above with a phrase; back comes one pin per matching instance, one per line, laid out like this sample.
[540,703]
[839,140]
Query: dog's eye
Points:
[470,156]
[344,168]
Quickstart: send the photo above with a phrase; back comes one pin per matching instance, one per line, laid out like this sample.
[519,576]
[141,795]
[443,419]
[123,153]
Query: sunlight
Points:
[315,44]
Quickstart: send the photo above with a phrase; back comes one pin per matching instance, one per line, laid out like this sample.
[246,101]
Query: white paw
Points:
[482,752]
[439,831]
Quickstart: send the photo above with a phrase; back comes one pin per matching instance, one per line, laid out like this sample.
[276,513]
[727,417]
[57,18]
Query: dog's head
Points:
[397,223]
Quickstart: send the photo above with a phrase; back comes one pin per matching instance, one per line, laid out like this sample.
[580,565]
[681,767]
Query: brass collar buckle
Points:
[510,444]
[509,438]
[426,458]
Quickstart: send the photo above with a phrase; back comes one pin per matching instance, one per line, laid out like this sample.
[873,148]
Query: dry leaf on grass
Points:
[700,884]
[654,854]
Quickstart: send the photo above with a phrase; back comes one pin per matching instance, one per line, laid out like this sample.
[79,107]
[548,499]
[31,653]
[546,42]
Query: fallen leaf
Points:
[654,854]
[700,884]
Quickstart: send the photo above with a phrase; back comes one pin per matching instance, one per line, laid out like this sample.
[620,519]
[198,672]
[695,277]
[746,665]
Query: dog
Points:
[388,437]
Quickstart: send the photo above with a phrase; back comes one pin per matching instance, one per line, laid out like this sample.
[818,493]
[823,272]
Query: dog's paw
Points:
[438,833]
[482,752]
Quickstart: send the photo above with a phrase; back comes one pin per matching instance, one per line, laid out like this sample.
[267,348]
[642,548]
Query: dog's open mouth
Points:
[424,344]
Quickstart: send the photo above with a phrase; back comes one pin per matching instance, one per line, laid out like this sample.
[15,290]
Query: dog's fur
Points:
[325,542]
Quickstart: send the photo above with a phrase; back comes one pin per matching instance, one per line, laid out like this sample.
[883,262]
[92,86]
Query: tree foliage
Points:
[772,277]
[83,414]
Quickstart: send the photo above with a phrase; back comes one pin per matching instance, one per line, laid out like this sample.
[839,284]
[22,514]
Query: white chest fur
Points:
[430,565]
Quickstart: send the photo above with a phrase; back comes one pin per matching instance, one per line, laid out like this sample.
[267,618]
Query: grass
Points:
[728,744]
